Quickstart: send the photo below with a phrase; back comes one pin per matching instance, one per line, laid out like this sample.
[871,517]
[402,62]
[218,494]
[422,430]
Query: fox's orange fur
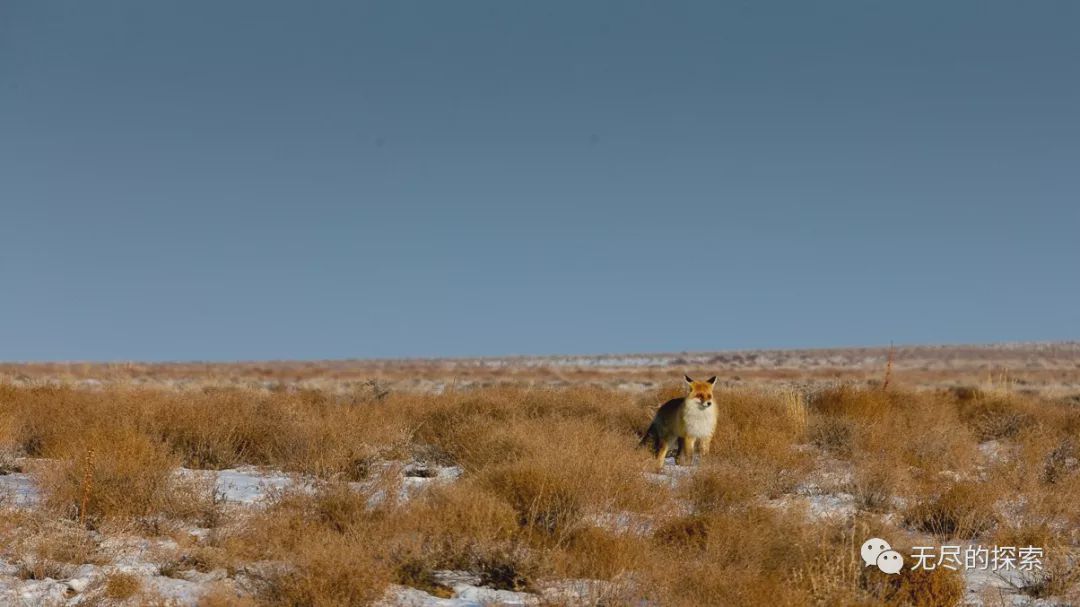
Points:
[690,420]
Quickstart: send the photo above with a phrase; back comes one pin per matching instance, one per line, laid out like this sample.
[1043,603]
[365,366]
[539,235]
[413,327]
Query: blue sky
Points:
[255,180]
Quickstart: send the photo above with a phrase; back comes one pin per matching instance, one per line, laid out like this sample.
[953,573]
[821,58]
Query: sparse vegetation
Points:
[552,487]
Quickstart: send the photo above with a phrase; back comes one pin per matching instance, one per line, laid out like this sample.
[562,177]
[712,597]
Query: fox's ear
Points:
[688,380]
[712,380]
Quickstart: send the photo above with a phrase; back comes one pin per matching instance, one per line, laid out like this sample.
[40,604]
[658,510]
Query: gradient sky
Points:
[261,179]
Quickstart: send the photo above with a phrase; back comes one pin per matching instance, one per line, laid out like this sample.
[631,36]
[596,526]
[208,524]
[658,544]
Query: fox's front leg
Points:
[686,451]
[704,445]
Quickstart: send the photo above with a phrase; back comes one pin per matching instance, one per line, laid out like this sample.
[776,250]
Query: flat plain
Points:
[518,480]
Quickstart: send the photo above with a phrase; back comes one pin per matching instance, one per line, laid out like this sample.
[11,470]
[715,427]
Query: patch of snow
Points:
[581,593]
[998,584]
[174,591]
[670,473]
[470,596]
[248,485]
[244,485]
[19,489]
[819,507]
[84,577]
[37,592]
[994,451]
[467,592]
[624,522]
[414,478]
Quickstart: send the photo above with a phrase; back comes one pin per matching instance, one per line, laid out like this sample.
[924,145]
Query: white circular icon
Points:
[871,548]
[890,562]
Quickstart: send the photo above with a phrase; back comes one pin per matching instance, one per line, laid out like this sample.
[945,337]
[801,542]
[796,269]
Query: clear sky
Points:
[261,179]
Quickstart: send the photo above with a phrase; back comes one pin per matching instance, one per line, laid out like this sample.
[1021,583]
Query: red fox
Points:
[691,420]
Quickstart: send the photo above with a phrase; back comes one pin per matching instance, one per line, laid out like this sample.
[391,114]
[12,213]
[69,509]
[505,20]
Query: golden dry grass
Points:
[121,586]
[553,487]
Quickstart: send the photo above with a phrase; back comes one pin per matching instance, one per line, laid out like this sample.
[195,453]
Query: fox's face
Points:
[700,392]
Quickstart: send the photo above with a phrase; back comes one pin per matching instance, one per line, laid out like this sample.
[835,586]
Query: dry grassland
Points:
[552,487]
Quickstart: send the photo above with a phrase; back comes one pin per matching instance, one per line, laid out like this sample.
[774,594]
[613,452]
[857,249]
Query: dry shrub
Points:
[795,409]
[472,431]
[763,418]
[718,486]
[1039,483]
[336,548]
[963,510]
[575,468]
[459,522]
[1058,578]
[512,569]
[43,547]
[875,484]
[754,534]
[997,415]
[495,426]
[113,473]
[201,558]
[756,436]
[326,570]
[1062,462]
[920,430]
[833,434]
[545,499]
[327,545]
[603,554]
[1026,533]
[122,586]
[338,508]
[230,427]
[850,401]
[938,587]
[473,441]
[752,556]
[914,428]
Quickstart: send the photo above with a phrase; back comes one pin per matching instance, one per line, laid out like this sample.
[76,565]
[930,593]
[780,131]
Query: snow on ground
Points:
[988,588]
[466,591]
[84,583]
[242,487]
[671,473]
[18,489]
[404,596]
[819,507]
[412,479]
[250,485]
[822,495]
[631,523]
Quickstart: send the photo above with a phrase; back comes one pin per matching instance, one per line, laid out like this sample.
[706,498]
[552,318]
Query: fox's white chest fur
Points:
[698,422]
